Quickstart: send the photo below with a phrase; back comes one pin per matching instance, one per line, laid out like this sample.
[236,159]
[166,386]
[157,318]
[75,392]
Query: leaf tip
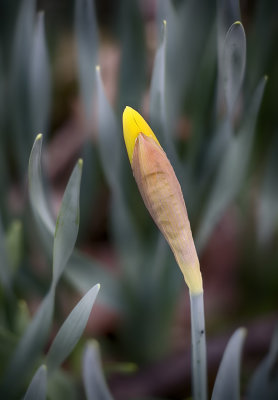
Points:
[266,78]
[237,23]
[80,162]
[39,137]
[44,367]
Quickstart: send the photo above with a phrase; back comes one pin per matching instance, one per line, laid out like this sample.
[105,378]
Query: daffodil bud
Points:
[162,194]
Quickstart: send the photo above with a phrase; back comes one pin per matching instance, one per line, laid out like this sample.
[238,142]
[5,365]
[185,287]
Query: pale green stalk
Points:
[198,341]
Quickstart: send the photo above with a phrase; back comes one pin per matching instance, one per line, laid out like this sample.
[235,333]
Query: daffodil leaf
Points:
[36,193]
[38,386]
[228,11]
[132,74]
[110,146]
[158,96]
[40,85]
[227,383]
[29,346]
[20,82]
[264,383]
[87,49]
[71,330]
[232,170]
[234,57]
[67,223]
[94,382]
[111,153]
[157,93]
[81,271]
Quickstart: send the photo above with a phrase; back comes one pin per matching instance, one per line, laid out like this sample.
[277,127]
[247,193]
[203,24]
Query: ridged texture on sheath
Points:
[163,198]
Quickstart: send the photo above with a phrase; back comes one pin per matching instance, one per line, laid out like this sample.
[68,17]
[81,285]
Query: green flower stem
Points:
[198,340]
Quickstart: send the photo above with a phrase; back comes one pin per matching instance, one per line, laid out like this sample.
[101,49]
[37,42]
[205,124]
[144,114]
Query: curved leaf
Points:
[109,136]
[29,346]
[93,378]
[227,383]
[264,383]
[232,170]
[40,79]
[67,223]
[234,58]
[36,192]
[71,330]
[38,386]
[87,48]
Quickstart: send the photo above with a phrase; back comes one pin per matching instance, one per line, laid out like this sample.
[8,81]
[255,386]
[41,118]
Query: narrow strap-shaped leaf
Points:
[228,11]
[20,82]
[40,79]
[71,330]
[158,96]
[109,136]
[234,58]
[264,383]
[67,223]
[36,192]
[29,346]
[87,48]
[227,383]
[38,386]
[232,170]
[93,378]
[157,92]
[132,72]
[81,271]
[111,153]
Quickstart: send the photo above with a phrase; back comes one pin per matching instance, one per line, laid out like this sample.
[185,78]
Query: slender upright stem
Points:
[198,340]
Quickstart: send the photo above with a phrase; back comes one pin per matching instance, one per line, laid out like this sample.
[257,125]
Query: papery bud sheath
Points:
[163,198]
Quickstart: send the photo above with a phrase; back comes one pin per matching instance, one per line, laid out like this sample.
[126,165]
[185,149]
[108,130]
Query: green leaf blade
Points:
[227,383]
[71,330]
[67,223]
[264,383]
[234,59]
[38,386]
[93,378]
[87,49]
[40,82]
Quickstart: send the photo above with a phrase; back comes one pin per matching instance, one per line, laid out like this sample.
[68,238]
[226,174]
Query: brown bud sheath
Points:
[163,198]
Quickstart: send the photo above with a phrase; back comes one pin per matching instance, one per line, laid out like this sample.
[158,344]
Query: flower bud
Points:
[162,194]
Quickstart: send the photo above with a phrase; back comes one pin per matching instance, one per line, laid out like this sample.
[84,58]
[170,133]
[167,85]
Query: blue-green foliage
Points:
[207,76]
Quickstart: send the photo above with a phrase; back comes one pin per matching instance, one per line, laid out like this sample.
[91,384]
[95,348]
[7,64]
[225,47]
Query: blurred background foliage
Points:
[200,81]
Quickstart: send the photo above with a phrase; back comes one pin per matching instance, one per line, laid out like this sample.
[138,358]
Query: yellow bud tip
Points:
[39,136]
[98,286]
[133,125]
[237,23]
[80,162]
[164,23]
[266,78]
[97,68]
